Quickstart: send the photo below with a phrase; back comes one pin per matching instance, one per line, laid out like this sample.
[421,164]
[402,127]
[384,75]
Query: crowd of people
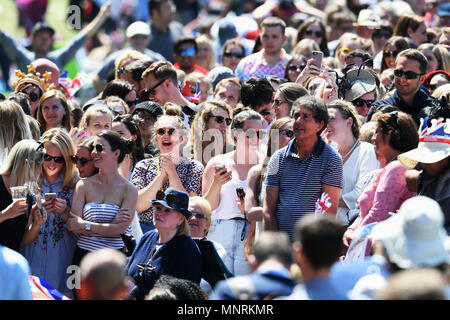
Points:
[228,150]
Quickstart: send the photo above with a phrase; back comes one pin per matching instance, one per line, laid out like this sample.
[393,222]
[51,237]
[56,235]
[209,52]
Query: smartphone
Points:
[240,193]
[50,196]
[317,56]
[220,167]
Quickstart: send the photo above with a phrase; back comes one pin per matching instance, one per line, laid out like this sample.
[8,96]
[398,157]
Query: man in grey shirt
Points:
[42,41]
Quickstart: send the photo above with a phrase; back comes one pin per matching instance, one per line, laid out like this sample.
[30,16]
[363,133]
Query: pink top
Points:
[385,193]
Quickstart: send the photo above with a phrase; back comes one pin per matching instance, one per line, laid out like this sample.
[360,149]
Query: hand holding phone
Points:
[317,56]
[50,196]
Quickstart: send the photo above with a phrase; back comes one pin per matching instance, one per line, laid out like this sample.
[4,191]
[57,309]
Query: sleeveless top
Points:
[227,208]
[100,213]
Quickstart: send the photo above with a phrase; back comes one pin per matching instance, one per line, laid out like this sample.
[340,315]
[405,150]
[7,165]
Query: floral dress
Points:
[51,253]
[190,172]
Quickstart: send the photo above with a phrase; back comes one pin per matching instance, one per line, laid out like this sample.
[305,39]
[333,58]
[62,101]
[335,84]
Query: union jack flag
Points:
[193,95]
[322,204]
[42,290]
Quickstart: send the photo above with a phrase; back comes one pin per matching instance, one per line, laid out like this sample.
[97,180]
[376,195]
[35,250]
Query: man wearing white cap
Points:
[138,36]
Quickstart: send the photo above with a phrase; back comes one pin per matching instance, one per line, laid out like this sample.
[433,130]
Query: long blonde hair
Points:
[61,139]
[16,167]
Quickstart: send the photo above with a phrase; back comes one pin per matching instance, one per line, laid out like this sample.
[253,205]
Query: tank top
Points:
[227,208]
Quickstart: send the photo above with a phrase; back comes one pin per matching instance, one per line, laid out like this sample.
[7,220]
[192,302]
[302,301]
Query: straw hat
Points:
[434,144]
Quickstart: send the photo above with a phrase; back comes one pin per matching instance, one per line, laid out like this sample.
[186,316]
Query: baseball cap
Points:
[138,28]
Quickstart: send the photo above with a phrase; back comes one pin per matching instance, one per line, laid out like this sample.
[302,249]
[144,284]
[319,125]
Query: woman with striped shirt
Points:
[103,204]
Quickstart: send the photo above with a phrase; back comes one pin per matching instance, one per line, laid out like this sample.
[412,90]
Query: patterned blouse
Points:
[190,172]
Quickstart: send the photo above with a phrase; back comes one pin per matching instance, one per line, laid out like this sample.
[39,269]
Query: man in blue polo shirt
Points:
[299,173]
[410,95]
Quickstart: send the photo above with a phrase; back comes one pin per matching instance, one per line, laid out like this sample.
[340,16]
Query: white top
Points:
[360,162]
[227,208]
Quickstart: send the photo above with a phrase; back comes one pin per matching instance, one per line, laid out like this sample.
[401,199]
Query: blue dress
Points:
[51,252]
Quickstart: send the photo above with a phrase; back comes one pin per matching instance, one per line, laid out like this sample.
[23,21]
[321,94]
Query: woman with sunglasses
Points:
[391,49]
[167,250]
[170,169]
[294,67]
[53,111]
[210,130]
[285,96]
[49,250]
[122,89]
[224,174]
[395,133]
[313,28]
[233,51]
[83,159]
[16,172]
[358,157]
[103,204]
[281,132]
[128,128]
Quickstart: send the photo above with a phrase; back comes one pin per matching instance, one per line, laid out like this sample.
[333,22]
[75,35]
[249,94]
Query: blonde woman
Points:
[13,127]
[210,131]
[206,57]
[94,120]
[49,249]
[16,172]
[169,169]
[53,111]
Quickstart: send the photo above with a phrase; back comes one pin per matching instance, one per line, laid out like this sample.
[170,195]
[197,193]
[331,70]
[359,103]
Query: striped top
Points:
[300,181]
[100,213]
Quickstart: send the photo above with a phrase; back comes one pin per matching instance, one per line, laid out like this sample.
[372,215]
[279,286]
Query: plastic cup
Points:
[19,193]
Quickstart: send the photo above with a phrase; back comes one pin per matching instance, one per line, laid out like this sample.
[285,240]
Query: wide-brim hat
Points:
[361,82]
[415,236]
[175,200]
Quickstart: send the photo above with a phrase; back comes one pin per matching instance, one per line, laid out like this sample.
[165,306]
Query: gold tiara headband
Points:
[33,77]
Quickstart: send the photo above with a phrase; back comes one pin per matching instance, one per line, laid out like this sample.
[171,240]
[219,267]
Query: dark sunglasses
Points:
[294,68]
[408,74]
[233,54]
[163,131]
[151,91]
[388,54]
[361,102]
[251,133]
[170,198]
[189,52]
[34,96]
[133,102]
[220,119]
[318,34]
[288,133]
[99,148]
[264,113]
[82,161]
[278,102]
[56,159]
[197,215]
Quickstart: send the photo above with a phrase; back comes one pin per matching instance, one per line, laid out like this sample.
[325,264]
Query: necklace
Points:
[345,157]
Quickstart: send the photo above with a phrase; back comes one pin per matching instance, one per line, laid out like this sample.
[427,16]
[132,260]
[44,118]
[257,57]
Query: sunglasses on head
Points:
[361,102]
[392,54]
[163,131]
[233,54]
[318,34]
[170,198]
[408,74]
[296,68]
[48,158]
[189,52]
[197,215]
[288,133]
[82,161]
[220,119]
[151,91]
[346,50]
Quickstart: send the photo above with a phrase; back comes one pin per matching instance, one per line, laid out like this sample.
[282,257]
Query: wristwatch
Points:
[87,226]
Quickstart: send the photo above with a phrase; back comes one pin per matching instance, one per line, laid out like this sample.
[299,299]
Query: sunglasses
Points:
[170,198]
[288,133]
[294,68]
[361,102]
[233,54]
[82,161]
[278,102]
[408,74]
[163,131]
[318,34]
[392,54]
[48,158]
[385,35]
[220,119]
[189,52]
[34,96]
[251,133]
[197,215]
[151,91]
[346,50]
[99,148]
[264,113]
[133,102]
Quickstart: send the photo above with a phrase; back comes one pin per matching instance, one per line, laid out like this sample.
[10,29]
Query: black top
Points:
[11,230]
